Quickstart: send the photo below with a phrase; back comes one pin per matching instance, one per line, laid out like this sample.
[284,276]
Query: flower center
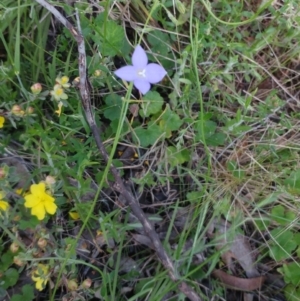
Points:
[59,92]
[141,73]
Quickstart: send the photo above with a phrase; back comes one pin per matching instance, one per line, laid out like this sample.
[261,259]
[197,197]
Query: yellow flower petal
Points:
[31,201]
[2,120]
[2,194]
[74,215]
[4,205]
[39,211]
[19,191]
[50,207]
[58,111]
[58,92]
[39,284]
[48,198]
[63,81]
[38,189]
[40,276]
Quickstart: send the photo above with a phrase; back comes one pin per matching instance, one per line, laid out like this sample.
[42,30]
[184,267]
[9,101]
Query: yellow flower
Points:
[63,81]
[2,119]
[74,215]
[19,191]
[58,92]
[58,111]
[3,204]
[39,201]
[41,276]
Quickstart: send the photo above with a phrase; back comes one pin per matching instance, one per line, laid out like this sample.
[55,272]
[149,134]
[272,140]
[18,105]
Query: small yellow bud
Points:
[30,110]
[2,120]
[37,253]
[50,180]
[18,261]
[16,218]
[86,283]
[2,173]
[76,82]
[42,243]
[36,88]
[16,109]
[97,73]
[72,285]
[14,247]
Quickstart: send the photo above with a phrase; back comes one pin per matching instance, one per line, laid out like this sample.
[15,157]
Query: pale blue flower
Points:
[141,73]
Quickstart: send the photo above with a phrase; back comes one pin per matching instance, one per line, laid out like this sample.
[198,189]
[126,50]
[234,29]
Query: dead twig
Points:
[119,185]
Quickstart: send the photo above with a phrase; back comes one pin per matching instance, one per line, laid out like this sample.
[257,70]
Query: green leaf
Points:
[297,238]
[283,245]
[292,293]
[209,128]
[281,216]
[110,38]
[293,182]
[176,157]
[6,260]
[10,278]
[277,214]
[28,294]
[193,196]
[169,122]
[148,136]
[160,42]
[216,139]
[112,111]
[114,126]
[291,273]
[157,38]
[208,132]
[152,104]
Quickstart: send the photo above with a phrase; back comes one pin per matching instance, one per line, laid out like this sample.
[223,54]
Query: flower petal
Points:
[142,85]
[4,205]
[139,58]
[31,200]
[50,207]
[127,73]
[48,198]
[38,189]
[74,215]
[39,284]
[39,211]
[2,119]
[155,73]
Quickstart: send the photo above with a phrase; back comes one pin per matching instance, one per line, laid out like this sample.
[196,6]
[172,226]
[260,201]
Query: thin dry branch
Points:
[119,185]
